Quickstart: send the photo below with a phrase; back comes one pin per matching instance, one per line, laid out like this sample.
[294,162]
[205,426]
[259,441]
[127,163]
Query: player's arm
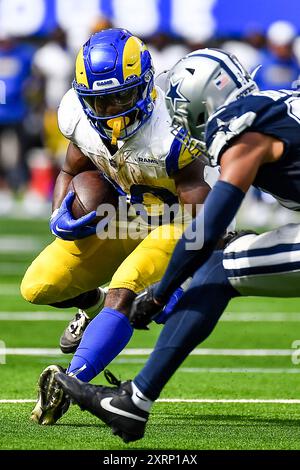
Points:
[241,161]
[239,166]
[62,223]
[75,162]
[191,185]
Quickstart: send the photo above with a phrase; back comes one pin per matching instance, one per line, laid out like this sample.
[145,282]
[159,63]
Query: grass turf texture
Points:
[172,425]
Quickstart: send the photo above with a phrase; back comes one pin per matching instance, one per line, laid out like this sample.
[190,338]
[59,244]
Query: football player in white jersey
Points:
[117,122]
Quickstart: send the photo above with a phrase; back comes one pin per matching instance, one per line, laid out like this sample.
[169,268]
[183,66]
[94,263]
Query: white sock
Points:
[140,400]
[94,309]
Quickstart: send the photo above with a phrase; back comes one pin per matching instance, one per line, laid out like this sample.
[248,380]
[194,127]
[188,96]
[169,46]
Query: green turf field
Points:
[240,391]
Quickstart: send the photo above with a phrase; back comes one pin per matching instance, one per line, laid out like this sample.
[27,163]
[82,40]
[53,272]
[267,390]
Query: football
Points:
[91,189]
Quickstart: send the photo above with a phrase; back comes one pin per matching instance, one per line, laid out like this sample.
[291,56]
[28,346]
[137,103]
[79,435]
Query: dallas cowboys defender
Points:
[255,136]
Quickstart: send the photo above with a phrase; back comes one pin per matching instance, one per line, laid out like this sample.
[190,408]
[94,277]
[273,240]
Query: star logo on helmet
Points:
[174,95]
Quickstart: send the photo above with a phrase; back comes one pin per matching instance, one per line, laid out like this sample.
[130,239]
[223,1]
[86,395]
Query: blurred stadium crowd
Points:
[35,72]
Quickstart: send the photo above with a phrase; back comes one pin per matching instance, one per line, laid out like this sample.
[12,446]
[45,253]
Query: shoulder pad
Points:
[179,156]
[69,113]
[226,130]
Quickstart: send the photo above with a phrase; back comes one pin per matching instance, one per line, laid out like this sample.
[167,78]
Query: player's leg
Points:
[193,319]
[110,331]
[67,272]
[266,264]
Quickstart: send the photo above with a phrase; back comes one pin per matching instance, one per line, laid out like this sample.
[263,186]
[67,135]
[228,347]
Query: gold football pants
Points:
[65,269]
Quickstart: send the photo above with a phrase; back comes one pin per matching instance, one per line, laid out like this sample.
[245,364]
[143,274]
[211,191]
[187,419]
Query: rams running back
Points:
[116,121]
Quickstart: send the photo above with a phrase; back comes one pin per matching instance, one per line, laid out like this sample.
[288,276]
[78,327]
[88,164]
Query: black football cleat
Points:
[52,402]
[113,405]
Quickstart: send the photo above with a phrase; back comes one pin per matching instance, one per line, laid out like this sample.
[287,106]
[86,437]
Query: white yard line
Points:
[17,401]
[10,289]
[220,370]
[146,352]
[13,268]
[56,316]
[20,244]
[240,370]
[285,401]
[35,316]
[280,401]
[261,317]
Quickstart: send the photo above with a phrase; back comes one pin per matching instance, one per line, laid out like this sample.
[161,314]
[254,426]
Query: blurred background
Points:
[39,40]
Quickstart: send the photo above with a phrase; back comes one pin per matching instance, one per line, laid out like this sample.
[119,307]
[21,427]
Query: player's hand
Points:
[144,309]
[63,225]
[162,317]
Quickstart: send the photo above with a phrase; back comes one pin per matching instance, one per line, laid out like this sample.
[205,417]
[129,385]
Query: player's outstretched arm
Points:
[239,166]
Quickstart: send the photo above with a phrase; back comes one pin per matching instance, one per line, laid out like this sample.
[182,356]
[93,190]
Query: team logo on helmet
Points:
[174,96]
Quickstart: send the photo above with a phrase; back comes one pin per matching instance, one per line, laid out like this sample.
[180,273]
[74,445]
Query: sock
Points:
[81,301]
[104,338]
[139,399]
[94,309]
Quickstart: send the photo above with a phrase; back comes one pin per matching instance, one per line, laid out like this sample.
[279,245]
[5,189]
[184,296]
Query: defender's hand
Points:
[144,309]
[167,311]
[63,225]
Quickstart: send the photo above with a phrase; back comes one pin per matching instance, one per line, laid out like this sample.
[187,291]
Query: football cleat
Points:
[72,335]
[52,402]
[113,405]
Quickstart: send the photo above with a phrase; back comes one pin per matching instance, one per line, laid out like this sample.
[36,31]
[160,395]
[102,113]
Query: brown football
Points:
[91,189]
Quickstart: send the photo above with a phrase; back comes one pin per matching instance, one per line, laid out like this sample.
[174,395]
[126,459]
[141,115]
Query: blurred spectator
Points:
[280,67]
[248,49]
[255,36]
[15,70]
[248,55]
[165,51]
[54,64]
[52,68]
[101,23]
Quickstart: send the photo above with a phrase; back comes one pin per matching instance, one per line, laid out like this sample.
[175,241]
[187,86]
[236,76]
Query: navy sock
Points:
[105,337]
[194,318]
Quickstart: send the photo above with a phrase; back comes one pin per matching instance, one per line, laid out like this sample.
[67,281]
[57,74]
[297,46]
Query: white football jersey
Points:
[143,165]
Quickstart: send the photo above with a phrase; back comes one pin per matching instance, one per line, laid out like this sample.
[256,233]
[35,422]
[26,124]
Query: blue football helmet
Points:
[114,83]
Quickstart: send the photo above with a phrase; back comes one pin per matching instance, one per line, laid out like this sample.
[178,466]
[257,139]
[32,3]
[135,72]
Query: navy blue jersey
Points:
[275,113]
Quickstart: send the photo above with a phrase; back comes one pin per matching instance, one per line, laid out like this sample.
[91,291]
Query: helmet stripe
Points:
[227,66]
[80,72]
[132,57]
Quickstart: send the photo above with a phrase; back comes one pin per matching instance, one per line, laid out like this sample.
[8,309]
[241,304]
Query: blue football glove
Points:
[168,309]
[63,225]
